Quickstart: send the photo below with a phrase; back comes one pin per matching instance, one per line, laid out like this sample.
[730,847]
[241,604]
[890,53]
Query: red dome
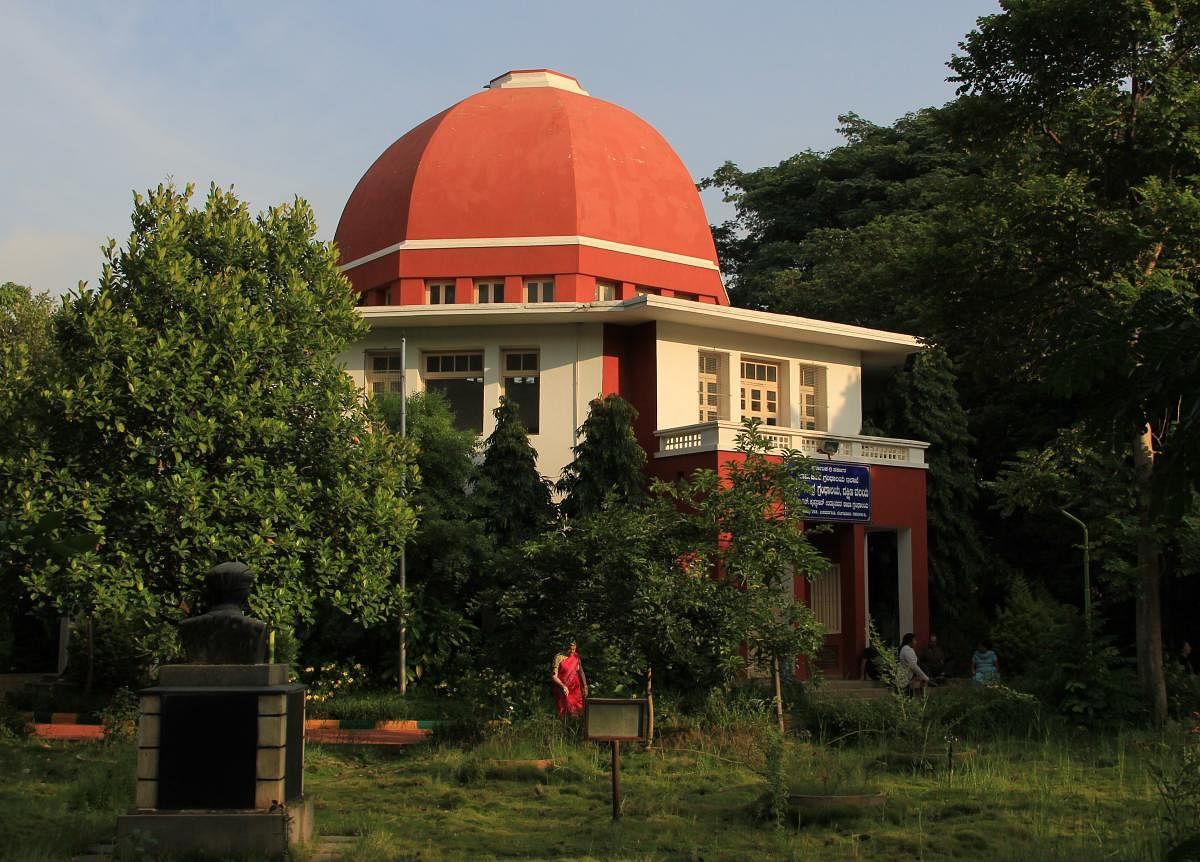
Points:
[532,162]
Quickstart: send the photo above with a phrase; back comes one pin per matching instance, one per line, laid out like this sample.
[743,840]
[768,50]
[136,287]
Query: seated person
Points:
[869,665]
[985,666]
[933,659]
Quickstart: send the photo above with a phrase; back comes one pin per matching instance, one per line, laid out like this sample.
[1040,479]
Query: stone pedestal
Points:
[220,764]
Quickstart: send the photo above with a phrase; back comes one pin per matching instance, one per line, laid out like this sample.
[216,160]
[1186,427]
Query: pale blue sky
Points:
[298,98]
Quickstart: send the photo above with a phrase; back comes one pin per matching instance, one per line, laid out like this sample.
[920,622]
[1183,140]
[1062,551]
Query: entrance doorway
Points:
[883,584]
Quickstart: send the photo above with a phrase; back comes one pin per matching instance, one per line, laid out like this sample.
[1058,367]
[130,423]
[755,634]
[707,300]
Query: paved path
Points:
[323,735]
[335,736]
[88,732]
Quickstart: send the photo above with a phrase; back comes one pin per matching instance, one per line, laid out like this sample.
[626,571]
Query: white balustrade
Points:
[722,437]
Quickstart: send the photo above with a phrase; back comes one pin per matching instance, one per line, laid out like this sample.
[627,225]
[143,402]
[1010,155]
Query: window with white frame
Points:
[714,399]
[606,291]
[385,374]
[539,290]
[439,292]
[522,384]
[458,376]
[489,291]
[760,391]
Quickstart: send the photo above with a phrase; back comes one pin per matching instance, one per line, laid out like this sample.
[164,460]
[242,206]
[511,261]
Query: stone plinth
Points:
[220,751]
[224,675]
[248,832]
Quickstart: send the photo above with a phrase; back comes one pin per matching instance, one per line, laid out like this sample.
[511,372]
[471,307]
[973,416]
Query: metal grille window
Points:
[539,290]
[522,385]
[760,391]
[439,292]
[458,377]
[385,374]
[489,291]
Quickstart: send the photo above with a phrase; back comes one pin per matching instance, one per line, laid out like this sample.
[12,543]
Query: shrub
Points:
[834,720]
[1045,649]
[1175,771]
[12,725]
[120,716]
[986,712]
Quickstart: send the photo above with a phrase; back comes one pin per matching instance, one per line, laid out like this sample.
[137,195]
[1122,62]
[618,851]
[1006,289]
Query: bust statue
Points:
[225,635]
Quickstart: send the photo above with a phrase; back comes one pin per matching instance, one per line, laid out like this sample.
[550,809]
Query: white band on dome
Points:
[527,241]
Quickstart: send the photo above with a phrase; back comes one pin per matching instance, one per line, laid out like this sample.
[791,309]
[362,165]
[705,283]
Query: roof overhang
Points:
[877,347]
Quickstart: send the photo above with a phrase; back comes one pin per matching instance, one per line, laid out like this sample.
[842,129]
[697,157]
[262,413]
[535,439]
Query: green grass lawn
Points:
[699,797]
[696,796]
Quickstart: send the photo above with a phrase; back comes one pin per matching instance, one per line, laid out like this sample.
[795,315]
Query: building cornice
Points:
[880,345]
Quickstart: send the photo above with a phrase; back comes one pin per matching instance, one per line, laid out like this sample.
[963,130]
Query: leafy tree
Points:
[450,548]
[921,403]
[29,535]
[200,414]
[787,248]
[1087,230]
[26,319]
[750,519]
[608,460]
[1055,259]
[625,586]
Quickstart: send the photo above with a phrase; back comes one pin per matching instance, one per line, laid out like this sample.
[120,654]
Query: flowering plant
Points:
[330,679]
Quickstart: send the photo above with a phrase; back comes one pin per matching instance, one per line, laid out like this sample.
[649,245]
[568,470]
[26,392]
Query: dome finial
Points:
[517,78]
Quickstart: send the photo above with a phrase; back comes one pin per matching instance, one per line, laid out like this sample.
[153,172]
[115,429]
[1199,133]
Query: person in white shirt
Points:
[909,676]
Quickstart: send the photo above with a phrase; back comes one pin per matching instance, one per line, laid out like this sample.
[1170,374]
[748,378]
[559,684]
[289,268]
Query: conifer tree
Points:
[513,497]
[608,460]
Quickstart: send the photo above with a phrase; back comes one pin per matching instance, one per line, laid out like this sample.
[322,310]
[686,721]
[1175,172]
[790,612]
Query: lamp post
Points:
[404,548]
[1087,572]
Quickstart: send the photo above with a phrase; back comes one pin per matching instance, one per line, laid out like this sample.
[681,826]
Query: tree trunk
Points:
[91,660]
[775,672]
[650,706]
[1149,600]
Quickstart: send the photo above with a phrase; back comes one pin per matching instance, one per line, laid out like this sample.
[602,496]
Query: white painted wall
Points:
[678,345]
[571,371]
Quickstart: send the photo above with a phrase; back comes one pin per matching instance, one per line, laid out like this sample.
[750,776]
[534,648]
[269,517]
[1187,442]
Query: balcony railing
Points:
[722,437]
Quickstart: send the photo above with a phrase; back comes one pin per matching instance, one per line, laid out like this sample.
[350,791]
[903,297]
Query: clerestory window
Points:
[539,290]
[439,292]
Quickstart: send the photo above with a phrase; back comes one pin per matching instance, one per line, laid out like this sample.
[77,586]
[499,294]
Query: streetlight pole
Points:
[404,547]
[1087,572]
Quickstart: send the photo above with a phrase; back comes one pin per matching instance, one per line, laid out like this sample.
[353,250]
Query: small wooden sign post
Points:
[615,720]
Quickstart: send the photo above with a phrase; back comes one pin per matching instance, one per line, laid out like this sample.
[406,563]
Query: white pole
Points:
[403,550]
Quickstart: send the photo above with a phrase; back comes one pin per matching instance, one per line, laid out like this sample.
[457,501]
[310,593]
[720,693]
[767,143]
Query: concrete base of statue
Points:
[220,762]
[218,832]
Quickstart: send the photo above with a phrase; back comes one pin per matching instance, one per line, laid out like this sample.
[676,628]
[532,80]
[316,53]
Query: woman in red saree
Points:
[570,684]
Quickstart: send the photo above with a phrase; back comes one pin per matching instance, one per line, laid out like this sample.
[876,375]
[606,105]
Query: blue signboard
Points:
[840,492]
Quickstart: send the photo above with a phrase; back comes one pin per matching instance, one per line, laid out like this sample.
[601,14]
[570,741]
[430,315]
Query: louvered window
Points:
[713,399]
[812,398]
[826,599]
